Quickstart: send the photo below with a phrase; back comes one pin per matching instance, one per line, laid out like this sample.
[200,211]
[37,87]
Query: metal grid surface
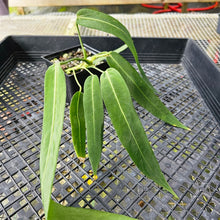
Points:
[190,160]
[55,24]
[200,27]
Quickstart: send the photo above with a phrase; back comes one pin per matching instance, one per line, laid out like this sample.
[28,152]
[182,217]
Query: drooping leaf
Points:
[128,126]
[59,212]
[94,118]
[140,90]
[103,22]
[78,124]
[54,105]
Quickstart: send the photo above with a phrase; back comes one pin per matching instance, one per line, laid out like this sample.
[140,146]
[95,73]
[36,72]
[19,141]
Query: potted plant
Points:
[117,84]
[69,59]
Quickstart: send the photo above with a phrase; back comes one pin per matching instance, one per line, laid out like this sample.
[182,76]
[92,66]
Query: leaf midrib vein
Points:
[78,119]
[134,84]
[125,118]
[93,19]
[93,107]
[52,125]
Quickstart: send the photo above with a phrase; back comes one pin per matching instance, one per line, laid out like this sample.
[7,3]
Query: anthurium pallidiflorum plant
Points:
[117,86]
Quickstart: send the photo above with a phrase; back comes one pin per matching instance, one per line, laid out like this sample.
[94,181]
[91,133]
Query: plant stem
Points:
[88,71]
[81,43]
[78,67]
[96,68]
[121,49]
[80,87]
[79,59]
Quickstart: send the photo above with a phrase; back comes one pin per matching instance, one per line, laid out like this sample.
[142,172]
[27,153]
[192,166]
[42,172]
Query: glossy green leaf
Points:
[94,118]
[54,106]
[140,91]
[78,124]
[59,212]
[103,22]
[128,126]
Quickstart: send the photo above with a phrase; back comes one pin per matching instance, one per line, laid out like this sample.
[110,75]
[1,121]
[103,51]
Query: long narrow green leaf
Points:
[54,105]
[59,212]
[94,118]
[103,22]
[78,124]
[140,90]
[128,126]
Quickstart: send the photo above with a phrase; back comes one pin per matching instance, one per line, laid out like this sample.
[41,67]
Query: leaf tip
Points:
[186,128]
[181,126]
[95,177]
[82,159]
[175,195]
[172,192]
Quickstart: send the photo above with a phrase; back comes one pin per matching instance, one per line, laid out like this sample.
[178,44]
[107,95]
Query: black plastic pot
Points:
[71,85]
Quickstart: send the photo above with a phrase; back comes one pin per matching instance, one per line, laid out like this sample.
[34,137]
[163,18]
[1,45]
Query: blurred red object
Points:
[177,8]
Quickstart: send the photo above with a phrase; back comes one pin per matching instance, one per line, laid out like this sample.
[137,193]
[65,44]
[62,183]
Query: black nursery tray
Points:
[188,83]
